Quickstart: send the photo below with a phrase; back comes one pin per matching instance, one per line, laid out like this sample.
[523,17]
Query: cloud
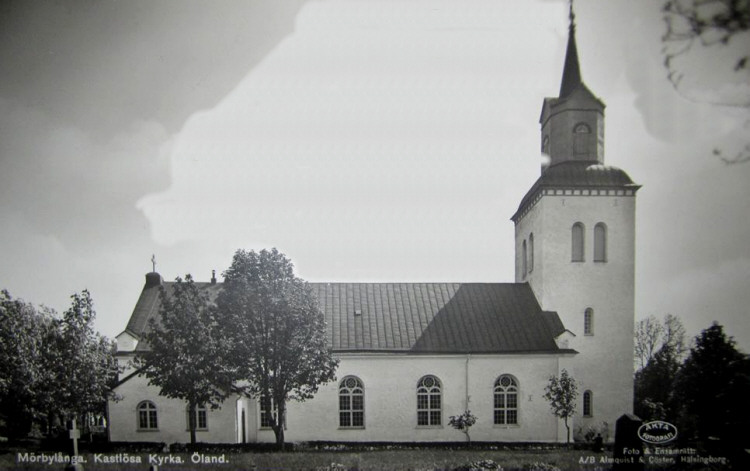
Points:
[366,151]
[63,183]
[100,66]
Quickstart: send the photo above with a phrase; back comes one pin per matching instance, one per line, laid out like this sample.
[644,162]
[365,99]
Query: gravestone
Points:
[628,450]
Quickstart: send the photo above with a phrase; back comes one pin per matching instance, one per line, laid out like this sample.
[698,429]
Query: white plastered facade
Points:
[390,412]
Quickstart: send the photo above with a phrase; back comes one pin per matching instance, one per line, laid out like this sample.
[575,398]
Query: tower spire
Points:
[571,72]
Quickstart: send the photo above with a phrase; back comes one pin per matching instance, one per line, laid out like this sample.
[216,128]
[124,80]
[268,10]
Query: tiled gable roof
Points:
[413,317]
[433,317]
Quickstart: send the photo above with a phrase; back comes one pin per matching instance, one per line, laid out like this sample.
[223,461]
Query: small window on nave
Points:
[267,403]
[147,416]
[200,417]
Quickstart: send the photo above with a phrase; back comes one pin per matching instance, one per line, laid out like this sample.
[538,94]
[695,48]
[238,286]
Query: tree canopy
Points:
[712,388]
[561,393]
[660,349]
[52,368]
[276,333]
[185,356]
[23,333]
[651,335]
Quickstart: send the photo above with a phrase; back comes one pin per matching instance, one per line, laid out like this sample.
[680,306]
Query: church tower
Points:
[575,246]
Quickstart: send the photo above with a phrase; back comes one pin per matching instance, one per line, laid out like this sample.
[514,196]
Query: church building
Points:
[414,354]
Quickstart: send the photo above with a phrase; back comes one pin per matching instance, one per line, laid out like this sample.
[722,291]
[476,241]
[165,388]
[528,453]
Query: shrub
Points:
[481,465]
[540,466]
[332,467]
[463,423]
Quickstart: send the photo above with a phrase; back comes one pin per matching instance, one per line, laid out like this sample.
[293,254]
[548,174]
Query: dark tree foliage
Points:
[22,335]
[85,361]
[712,389]
[709,24]
[276,331]
[651,336]
[654,384]
[51,369]
[185,354]
[660,348]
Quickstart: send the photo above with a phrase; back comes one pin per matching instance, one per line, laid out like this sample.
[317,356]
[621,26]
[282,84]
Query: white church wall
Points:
[390,383]
[172,425]
[125,362]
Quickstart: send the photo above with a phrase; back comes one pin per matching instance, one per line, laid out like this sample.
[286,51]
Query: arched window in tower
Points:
[578,242]
[531,252]
[600,242]
[588,404]
[524,264]
[545,145]
[351,403]
[581,136]
[588,321]
[429,402]
[506,400]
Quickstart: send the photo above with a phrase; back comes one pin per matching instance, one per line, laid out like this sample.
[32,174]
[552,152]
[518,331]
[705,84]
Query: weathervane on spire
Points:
[153,262]
[572,15]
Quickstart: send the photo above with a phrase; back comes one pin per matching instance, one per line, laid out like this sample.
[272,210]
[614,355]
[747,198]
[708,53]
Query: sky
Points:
[369,140]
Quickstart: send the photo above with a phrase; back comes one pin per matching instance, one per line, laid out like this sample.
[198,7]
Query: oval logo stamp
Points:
[657,432]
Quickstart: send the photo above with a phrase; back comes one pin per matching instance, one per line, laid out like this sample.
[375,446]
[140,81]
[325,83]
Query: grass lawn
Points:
[381,459]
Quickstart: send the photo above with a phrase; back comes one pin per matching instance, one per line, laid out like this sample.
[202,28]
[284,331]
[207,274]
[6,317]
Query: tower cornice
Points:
[577,178]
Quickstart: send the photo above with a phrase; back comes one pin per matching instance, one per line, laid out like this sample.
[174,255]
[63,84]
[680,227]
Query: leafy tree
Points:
[276,331]
[561,393]
[23,331]
[712,388]
[52,368]
[654,385]
[81,362]
[463,422]
[660,347]
[652,336]
[185,355]
[647,335]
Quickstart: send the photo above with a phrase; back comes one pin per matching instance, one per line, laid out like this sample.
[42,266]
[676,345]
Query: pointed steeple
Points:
[572,71]
[573,122]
